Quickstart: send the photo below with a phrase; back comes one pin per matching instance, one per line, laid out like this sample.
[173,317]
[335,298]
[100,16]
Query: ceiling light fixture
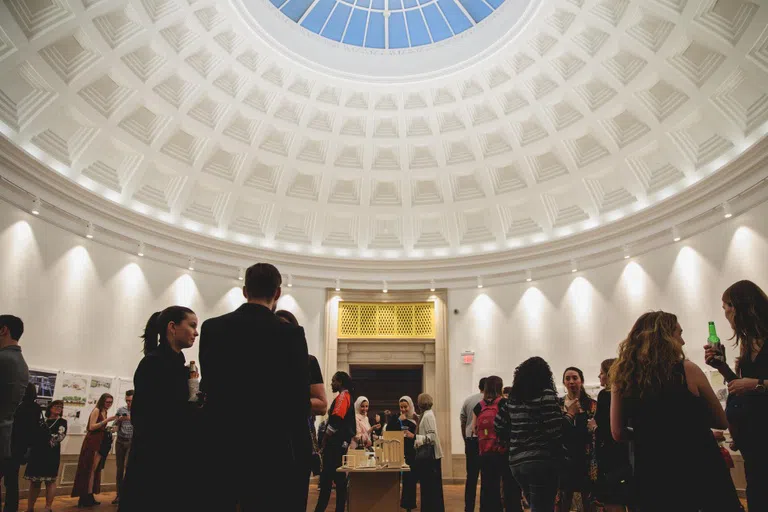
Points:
[241,274]
[37,205]
[141,248]
[528,276]
[338,285]
[191,263]
[432,285]
[574,266]
[89,230]
[290,280]
[626,252]
[479,282]
[727,213]
[384,287]
[676,234]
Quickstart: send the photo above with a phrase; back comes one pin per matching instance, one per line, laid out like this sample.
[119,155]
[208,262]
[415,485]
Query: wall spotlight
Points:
[338,285]
[432,285]
[89,230]
[141,248]
[574,266]
[479,282]
[191,263]
[528,276]
[727,213]
[676,234]
[626,252]
[37,205]
[384,288]
[241,274]
[290,280]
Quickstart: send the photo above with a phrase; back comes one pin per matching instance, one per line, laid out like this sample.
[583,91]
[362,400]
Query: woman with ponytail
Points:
[158,459]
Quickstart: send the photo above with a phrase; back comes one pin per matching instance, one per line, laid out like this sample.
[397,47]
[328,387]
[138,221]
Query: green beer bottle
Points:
[713,339]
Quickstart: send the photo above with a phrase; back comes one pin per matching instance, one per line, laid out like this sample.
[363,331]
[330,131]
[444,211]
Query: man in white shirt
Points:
[471,448]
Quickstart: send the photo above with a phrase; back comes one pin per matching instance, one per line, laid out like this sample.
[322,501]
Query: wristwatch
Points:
[760,388]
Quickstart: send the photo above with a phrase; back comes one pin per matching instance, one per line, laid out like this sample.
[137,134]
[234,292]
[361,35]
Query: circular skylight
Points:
[387,24]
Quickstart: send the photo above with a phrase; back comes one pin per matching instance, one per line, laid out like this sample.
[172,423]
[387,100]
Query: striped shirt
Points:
[533,429]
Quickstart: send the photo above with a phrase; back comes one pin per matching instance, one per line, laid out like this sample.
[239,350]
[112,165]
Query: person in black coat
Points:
[250,452]
[26,423]
[159,464]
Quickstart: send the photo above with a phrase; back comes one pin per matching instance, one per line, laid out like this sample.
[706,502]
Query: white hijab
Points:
[411,413]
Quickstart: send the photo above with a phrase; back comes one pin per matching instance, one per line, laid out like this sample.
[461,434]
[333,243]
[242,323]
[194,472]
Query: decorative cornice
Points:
[693,210]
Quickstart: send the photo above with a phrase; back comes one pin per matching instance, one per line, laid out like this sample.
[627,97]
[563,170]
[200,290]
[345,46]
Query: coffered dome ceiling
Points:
[242,123]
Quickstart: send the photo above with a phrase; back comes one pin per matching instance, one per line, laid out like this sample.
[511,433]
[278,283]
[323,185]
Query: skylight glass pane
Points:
[317,16]
[455,16]
[477,9]
[416,28]
[334,29]
[437,25]
[356,28]
[295,9]
[375,37]
[410,23]
[397,35]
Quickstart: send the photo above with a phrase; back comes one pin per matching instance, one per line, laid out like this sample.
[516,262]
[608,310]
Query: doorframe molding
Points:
[432,354]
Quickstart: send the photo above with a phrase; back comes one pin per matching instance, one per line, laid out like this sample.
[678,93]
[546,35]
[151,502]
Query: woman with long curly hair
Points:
[746,309]
[672,407]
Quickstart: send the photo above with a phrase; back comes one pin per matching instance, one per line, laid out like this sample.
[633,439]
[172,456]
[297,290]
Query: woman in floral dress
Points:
[43,465]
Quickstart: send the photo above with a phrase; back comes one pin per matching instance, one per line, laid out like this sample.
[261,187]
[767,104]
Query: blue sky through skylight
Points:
[387,23]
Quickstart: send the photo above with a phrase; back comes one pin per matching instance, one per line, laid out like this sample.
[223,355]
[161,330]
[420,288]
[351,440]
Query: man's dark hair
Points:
[262,281]
[130,392]
[14,324]
[482,383]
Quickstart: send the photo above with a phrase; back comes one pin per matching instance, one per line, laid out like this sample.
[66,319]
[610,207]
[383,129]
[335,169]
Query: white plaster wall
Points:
[84,305]
[579,319]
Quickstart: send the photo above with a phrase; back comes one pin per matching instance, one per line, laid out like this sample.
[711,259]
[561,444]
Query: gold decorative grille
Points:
[387,320]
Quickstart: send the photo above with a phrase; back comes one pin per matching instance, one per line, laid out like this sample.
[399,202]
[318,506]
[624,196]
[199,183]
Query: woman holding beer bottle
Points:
[159,464]
[746,309]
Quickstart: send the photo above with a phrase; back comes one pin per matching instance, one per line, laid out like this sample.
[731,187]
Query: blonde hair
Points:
[425,401]
[648,356]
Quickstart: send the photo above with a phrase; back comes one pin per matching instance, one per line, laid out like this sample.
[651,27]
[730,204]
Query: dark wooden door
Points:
[384,385]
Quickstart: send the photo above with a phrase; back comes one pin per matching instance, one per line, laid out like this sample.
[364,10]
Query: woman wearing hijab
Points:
[407,422]
[363,428]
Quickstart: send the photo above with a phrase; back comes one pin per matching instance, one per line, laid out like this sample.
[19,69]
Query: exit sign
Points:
[467,357]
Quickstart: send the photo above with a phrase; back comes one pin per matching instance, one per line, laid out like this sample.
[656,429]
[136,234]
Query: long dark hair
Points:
[30,394]
[103,400]
[155,332]
[346,381]
[493,385]
[531,378]
[750,317]
[286,316]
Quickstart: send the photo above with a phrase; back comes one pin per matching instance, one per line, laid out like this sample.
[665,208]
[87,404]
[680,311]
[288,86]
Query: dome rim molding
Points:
[24,178]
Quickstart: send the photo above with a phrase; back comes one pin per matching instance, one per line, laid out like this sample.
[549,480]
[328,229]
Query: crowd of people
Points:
[646,443]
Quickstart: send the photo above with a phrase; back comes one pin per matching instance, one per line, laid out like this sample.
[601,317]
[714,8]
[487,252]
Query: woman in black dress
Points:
[746,309]
[407,421]
[159,463]
[614,472]
[43,465]
[672,408]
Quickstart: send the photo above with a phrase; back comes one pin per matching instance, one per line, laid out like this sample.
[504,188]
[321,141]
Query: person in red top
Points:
[339,432]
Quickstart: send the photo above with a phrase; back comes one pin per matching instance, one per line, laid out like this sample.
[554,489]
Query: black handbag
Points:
[425,453]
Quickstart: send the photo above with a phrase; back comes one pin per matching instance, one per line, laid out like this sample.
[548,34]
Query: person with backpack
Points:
[494,469]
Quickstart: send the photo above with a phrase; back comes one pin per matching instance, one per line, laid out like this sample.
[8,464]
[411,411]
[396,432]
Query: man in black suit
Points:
[255,377]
